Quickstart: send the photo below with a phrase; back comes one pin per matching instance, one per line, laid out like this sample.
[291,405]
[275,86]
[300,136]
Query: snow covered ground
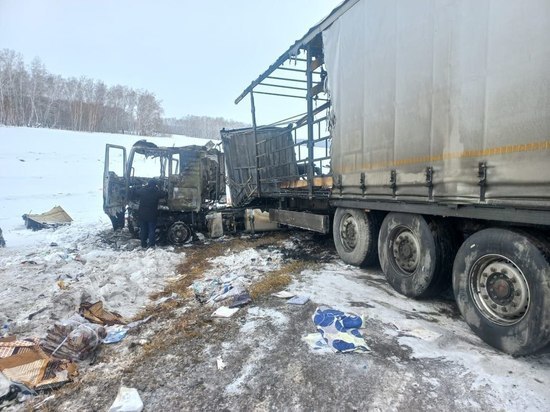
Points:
[41,168]
[51,271]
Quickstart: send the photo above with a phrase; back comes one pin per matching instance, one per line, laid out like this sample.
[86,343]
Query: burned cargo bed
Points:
[265,169]
[264,164]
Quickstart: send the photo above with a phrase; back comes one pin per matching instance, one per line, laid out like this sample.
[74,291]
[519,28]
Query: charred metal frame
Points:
[293,52]
[281,79]
[311,121]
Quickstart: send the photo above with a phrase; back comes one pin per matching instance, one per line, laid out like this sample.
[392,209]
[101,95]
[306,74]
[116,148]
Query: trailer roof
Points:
[300,44]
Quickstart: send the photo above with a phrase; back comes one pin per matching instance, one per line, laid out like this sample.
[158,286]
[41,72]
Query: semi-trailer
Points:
[426,147]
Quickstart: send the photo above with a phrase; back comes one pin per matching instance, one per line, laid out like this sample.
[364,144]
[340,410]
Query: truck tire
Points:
[178,233]
[355,234]
[501,281]
[416,254]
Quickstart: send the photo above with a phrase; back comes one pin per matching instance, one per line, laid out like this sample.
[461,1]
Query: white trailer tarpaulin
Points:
[447,85]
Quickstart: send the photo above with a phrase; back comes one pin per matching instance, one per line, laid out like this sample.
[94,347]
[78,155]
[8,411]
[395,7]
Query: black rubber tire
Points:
[530,254]
[437,248]
[363,251]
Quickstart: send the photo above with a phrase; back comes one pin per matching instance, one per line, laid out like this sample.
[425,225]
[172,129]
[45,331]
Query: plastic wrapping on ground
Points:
[127,400]
[74,338]
[214,291]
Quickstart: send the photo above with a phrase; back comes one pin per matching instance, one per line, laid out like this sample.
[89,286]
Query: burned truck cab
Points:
[192,176]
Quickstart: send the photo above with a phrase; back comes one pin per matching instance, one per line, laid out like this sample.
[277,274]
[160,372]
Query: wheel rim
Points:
[349,233]
[500,289]
[405,250]
[179,233]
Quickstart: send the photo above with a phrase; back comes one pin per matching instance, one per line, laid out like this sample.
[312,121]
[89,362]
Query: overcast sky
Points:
[196,56]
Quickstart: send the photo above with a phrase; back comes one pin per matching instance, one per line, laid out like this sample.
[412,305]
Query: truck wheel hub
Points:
[178,233]
[348,233]
[406,251]
[499,289]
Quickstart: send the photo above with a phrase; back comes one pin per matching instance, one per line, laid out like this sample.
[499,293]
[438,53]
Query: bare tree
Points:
[36,92]
[148,114]
[32,96]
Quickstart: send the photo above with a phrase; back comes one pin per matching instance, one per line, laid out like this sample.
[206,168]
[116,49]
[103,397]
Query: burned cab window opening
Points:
[146,165]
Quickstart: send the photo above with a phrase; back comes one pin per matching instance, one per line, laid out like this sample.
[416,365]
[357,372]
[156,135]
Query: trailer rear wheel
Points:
[355,234]
[416,255]
[501,281]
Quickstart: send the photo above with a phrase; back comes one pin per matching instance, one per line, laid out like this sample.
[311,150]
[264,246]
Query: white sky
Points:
[196,56]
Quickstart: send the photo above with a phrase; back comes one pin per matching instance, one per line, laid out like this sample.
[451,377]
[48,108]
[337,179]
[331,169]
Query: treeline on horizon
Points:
[31,96]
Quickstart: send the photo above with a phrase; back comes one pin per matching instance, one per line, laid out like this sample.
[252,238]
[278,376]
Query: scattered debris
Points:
[95,313]
[12,392]
[233,293]
[127,400]
[5,331]
[74,338]
[42,402]
[224,312]
[62,285]
[174,296]
[32,315]
[140,322]
[241,299]
[230,290]
[205,289]
[283,294]
[298,300]
[115,334]
[220,363]
[340,330]
[5,389]
[52,218]
[25,362]
[5,385]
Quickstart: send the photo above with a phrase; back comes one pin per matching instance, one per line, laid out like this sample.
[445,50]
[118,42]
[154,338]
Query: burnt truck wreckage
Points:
[435,129]
[192,176]
[420,148]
